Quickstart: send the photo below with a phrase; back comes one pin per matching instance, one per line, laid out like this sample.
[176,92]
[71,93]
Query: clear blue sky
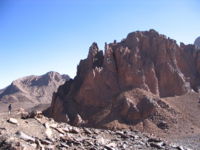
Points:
[37,36]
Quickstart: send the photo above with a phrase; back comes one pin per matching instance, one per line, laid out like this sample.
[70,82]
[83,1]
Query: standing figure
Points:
[9,109]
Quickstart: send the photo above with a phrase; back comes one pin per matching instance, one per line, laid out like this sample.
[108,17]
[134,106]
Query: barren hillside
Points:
[31,90]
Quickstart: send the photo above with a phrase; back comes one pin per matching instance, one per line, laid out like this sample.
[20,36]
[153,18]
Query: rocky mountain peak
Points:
[144,67]
[93,50]
[32,89]
[55,76]
[197,43]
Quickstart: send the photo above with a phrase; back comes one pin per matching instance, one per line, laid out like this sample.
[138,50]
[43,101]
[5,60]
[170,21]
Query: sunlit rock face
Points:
[197,43]
[147,61]
[126,81]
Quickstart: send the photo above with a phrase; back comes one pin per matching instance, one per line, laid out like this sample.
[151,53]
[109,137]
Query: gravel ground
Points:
[43,133]
[191,142]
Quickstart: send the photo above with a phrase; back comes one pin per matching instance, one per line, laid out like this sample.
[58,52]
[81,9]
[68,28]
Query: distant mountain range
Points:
[32,90]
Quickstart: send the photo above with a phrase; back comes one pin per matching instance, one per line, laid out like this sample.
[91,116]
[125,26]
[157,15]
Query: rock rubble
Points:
[65,136]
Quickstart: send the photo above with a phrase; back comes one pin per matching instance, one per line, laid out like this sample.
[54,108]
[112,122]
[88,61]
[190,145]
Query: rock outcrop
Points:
[197,43]
[32,90]
[126,81]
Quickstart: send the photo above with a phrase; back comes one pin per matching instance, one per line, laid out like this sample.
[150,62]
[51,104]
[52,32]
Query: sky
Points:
[37,36]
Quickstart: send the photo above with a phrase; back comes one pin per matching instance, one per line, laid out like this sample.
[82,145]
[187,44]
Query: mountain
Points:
[32,90]
[127,86]
[1,90]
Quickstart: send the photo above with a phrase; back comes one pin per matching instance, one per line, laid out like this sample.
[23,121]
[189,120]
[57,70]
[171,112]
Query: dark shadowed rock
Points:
[134,105]
[163,125]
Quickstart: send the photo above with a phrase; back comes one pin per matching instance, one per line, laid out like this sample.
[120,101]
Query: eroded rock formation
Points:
[120,80]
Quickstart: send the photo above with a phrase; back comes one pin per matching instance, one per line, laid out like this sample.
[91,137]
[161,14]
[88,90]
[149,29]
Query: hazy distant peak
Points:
[35,87]
[56,76]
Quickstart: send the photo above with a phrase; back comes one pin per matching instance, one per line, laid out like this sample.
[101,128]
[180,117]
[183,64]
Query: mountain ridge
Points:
[33,89]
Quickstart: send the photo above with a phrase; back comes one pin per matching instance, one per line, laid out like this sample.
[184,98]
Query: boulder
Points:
[78,120]
[13,121]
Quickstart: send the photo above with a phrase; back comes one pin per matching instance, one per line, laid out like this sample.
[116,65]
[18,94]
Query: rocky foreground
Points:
[34,131]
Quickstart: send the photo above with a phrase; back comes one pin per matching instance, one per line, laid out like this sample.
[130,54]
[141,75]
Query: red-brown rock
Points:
[106,83]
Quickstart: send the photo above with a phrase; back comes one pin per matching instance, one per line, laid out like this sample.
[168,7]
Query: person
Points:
[9,109]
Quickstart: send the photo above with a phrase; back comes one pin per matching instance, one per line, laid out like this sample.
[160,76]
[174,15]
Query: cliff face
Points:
[143,63]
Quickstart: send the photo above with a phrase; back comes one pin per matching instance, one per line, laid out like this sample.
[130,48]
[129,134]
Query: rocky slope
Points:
[43,133]
[31,90]
[126,84]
